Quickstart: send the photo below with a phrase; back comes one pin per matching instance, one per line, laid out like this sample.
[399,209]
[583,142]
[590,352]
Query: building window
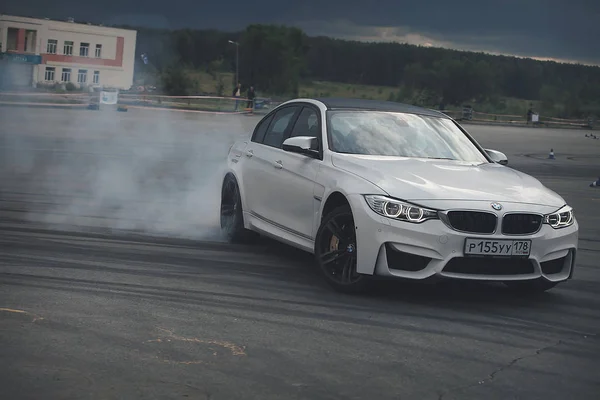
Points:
[51,47]
[30,41]
[98,51]
[11,39]
[66,75]
[68,48]
[96,77]
[84,49]
[49,74]
[82,76]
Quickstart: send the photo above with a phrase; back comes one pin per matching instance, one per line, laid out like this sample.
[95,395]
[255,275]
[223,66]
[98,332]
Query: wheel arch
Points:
[367,253]
[335,199]
[230,174]
[233,175]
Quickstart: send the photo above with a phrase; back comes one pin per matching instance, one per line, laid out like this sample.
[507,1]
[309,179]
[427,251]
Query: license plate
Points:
[507,248]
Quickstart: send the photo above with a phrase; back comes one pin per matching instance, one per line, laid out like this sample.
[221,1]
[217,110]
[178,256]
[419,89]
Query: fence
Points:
[43,98]
[478,116]
[219,104]
[195,103]
[188,103]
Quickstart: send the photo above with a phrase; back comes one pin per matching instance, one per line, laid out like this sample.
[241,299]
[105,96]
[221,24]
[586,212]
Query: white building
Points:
[46,51]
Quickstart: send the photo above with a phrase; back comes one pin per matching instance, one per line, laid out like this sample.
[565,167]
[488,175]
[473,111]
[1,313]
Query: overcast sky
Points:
[563,30]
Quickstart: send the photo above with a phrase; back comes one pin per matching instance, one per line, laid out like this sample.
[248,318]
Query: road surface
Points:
[113,283]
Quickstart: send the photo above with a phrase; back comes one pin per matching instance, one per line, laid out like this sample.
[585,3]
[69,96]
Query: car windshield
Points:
[399,134]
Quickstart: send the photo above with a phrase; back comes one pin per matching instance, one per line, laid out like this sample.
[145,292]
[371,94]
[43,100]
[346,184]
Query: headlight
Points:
[399,210]
[560,219]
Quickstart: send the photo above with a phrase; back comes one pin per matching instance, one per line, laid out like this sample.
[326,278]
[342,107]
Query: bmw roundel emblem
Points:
[497,206]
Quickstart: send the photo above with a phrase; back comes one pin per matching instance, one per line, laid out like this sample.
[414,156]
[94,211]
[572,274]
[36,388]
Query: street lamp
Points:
[237,62]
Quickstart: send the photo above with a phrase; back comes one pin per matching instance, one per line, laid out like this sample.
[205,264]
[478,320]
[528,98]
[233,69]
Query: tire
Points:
[338,265]
[231,213]
[531,287]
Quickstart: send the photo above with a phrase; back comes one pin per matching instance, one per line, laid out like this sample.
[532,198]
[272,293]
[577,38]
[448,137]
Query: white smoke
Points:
[154,171]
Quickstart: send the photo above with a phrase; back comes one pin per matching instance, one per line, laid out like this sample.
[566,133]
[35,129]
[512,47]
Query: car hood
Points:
[420,180]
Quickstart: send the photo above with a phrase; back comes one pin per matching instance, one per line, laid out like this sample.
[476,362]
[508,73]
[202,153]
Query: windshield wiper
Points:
[440,158]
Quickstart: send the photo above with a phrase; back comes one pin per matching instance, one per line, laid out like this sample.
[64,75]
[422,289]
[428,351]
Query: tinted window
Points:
[279,126]
[261,129]
[307,123]
[400,135]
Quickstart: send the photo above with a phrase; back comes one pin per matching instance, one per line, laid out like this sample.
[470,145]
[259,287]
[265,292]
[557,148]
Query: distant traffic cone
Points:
[551,155]
[596,183]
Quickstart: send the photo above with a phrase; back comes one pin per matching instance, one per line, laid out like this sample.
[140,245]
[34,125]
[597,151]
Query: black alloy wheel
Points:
[336,251]
[232,219]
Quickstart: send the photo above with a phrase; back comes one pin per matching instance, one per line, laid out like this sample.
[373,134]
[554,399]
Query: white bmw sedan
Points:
[385,189]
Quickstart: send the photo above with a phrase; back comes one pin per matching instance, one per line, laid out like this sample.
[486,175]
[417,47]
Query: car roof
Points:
[376,105]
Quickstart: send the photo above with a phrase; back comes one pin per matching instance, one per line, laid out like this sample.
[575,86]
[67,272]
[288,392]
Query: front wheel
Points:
[336,252]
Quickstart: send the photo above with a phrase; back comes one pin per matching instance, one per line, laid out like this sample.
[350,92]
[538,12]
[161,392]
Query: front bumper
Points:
[399,249]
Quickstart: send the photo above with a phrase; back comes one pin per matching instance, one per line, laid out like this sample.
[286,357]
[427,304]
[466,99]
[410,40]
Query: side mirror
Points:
[306,145]
[497,156]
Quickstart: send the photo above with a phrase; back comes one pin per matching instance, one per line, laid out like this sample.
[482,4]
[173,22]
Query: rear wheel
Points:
[336,252]
[232,218]
[531,286]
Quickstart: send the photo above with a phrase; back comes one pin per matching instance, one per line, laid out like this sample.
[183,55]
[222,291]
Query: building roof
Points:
[377,105]
[68,20]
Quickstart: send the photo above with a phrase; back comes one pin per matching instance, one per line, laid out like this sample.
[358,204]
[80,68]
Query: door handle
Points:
[249,153]
[278,164]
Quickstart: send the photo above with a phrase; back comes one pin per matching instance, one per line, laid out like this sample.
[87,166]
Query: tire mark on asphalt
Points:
[320,311]
[11,310]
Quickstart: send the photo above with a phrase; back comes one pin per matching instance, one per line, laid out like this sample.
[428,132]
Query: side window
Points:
[261,129]
[279,126]
[307,123]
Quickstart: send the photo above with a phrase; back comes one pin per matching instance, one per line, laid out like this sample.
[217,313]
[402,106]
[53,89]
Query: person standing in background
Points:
[251,96]
[237,93]
[530,114]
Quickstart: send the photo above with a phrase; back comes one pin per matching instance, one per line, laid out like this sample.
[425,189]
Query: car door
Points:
[296,204]
[250,169]
[261,171]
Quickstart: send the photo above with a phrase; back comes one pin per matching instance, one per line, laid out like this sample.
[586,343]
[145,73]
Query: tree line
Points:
[276,59]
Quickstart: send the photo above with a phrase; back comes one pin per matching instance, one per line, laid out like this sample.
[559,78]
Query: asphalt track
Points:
[114,285]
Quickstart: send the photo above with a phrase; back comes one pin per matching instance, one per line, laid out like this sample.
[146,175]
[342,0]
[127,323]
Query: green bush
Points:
[220,86]
[175,81]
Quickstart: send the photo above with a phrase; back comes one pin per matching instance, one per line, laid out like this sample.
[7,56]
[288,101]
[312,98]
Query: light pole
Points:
[237,62]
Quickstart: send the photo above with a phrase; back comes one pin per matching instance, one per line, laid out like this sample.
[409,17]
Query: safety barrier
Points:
[215,104]
[479,116]
[218,104]
[221,104]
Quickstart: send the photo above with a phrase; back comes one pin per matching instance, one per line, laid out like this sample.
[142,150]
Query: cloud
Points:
[500,43]
[156,21]
[545,29]
[344,29]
